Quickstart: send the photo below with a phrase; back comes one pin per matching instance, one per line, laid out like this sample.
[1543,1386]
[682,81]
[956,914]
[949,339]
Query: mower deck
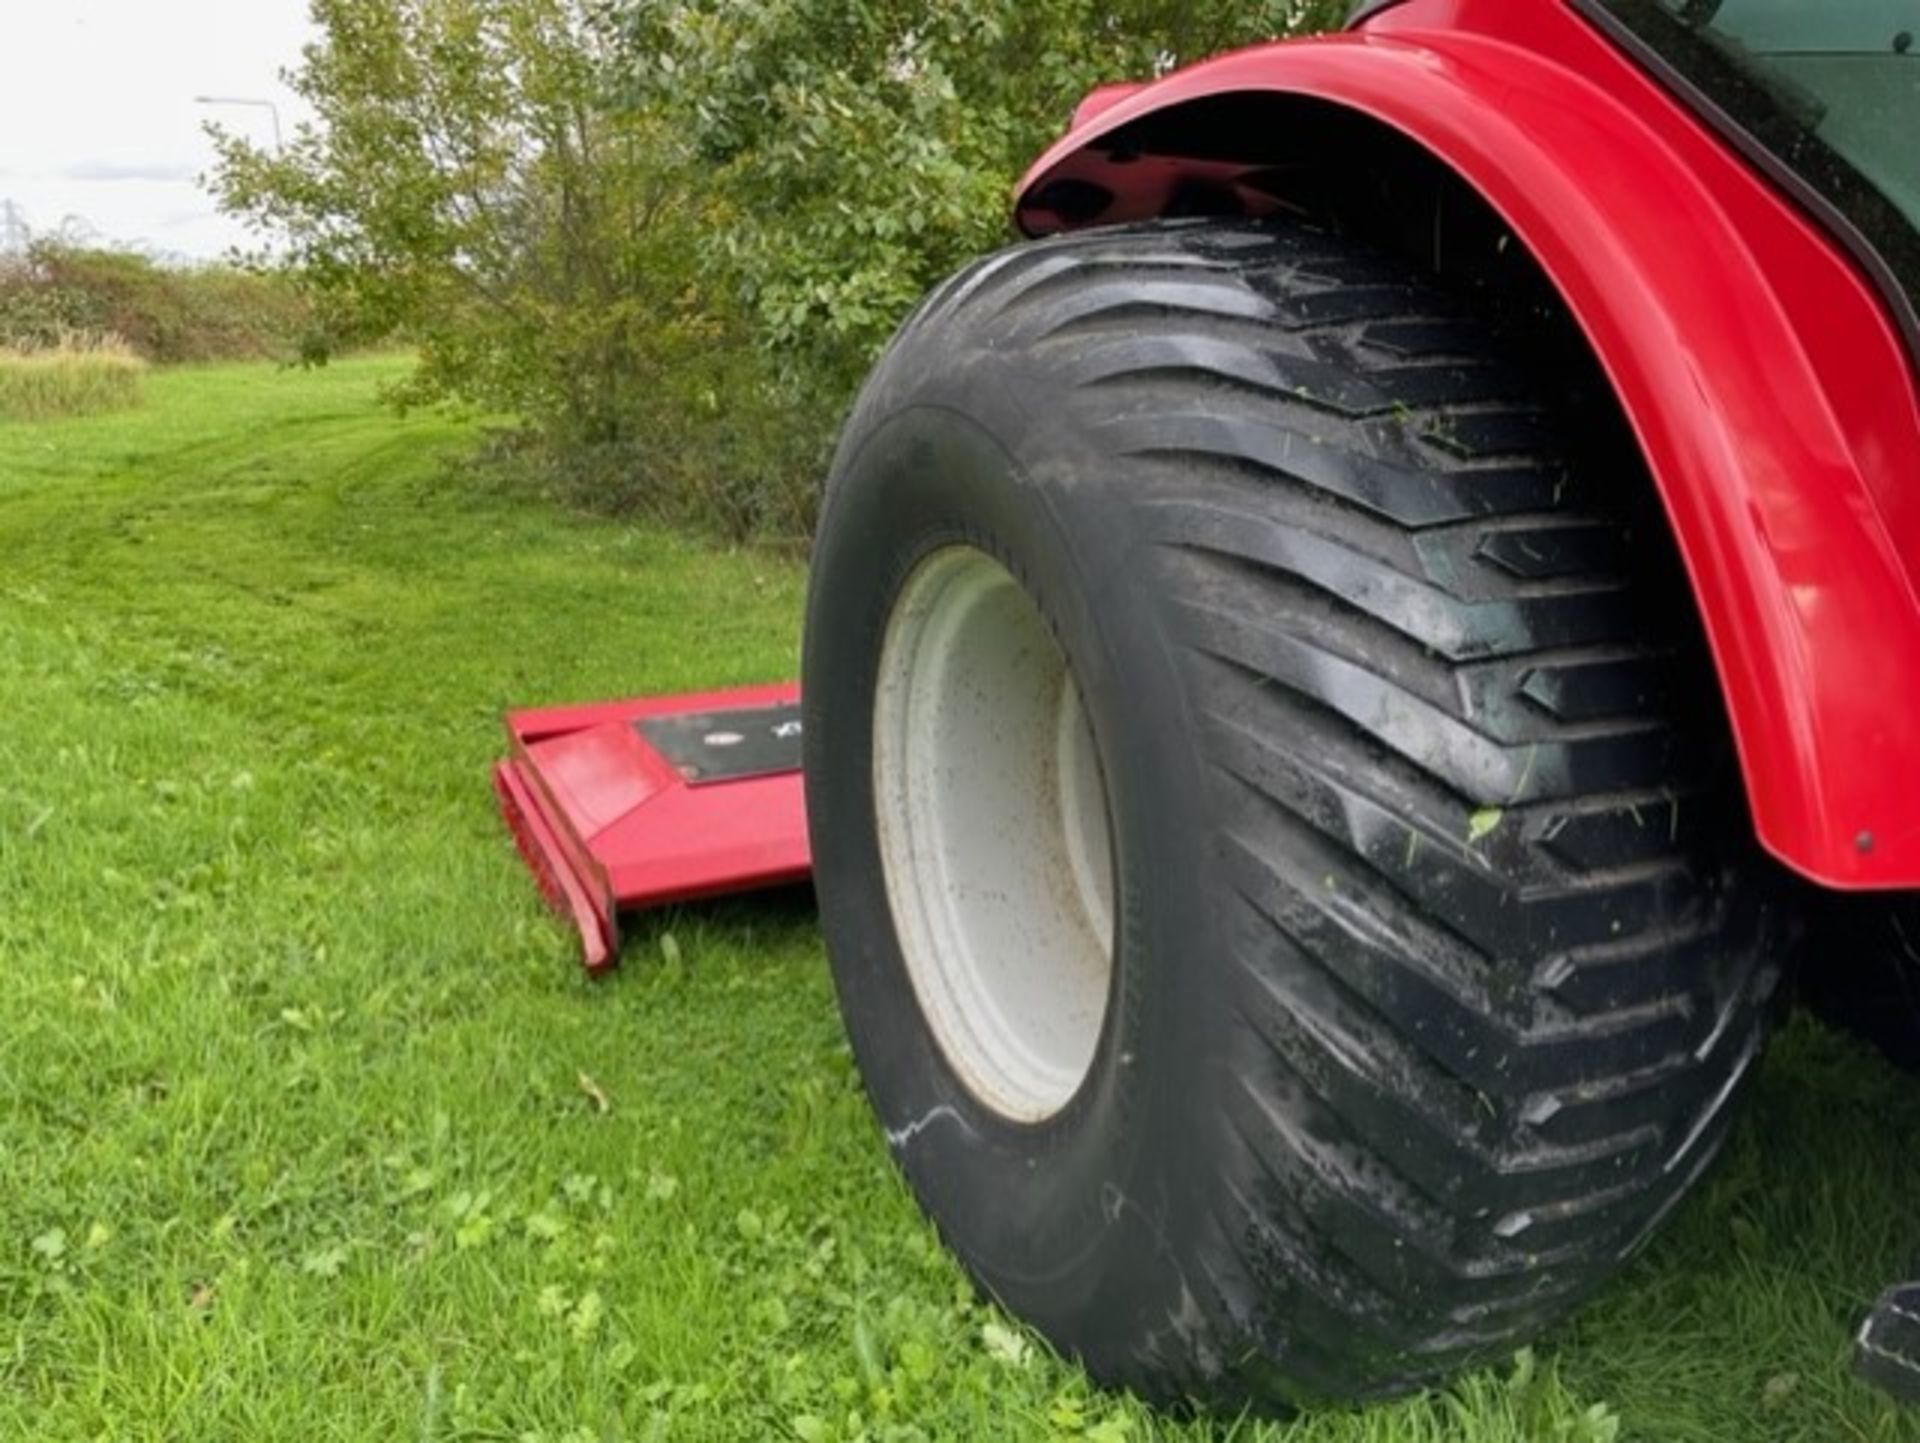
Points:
[668,799]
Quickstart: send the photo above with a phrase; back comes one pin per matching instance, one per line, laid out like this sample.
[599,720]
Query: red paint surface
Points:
[605,824]
[1101,99]
[1767,384]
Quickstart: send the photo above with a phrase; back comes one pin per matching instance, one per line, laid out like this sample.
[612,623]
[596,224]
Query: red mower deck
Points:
[639,803]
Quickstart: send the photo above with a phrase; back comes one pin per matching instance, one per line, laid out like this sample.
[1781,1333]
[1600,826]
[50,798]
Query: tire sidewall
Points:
[1058,1219]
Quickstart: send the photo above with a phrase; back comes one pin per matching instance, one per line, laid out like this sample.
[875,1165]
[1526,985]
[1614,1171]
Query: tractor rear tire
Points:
[1276,840]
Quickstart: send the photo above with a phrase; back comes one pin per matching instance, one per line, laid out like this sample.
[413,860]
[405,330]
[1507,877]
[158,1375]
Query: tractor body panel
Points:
[1763,371]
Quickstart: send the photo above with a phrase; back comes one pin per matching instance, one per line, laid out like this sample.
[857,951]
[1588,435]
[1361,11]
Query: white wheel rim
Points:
[994,834]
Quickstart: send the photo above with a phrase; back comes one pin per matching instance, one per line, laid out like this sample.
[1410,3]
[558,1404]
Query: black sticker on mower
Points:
[727,746]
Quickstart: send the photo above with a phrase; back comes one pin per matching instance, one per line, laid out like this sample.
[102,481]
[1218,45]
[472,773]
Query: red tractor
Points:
[1336,674]
[1322,666]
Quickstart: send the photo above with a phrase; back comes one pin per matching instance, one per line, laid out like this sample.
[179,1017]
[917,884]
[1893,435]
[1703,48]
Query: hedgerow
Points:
[164,313]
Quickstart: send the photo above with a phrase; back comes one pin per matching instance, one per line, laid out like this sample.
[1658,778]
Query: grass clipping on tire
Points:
[78,375]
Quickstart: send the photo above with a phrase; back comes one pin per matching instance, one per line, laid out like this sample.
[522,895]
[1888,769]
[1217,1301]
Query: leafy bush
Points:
[670,235]
[34,312]
[866,150]
[164,313]
[468,188]
[76,375]
[723,446]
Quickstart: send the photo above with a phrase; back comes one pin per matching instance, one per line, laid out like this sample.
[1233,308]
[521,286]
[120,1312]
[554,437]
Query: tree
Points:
[465,186]
[867,149]
[670,235]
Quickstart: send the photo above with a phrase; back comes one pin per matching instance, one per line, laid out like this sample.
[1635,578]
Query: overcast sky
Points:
[97,116]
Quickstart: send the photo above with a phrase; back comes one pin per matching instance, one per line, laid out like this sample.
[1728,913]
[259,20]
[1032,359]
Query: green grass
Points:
[301,1122]
[80,376]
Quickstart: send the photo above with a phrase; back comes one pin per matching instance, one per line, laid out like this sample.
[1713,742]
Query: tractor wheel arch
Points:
[1778,419]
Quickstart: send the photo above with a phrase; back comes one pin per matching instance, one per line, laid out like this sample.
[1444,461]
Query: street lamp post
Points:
[267,105]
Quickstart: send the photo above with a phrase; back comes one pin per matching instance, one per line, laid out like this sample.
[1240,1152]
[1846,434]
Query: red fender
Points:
[1761,370]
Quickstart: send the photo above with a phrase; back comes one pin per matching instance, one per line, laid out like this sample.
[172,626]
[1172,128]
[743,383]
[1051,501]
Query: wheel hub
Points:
[994,834]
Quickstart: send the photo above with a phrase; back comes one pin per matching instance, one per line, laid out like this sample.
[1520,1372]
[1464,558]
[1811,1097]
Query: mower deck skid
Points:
[668,799]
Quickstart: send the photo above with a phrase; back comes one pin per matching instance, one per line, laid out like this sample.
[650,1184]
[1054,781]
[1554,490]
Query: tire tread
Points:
[1477,1061]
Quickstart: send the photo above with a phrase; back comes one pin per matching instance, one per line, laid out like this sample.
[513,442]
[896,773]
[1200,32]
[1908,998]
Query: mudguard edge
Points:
[1768,388]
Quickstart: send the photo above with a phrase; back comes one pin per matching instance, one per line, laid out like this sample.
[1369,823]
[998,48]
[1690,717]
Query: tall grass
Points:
[75,375]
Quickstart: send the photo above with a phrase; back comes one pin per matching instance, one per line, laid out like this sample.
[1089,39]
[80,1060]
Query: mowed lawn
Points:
[310,1127]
